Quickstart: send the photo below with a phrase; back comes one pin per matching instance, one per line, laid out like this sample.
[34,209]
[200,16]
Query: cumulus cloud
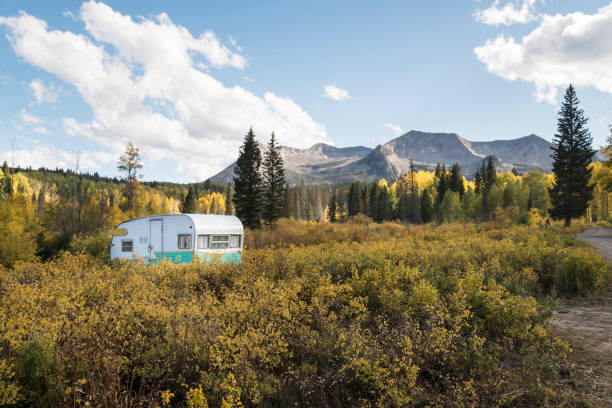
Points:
[142,82]
[508,14]
[396,129]
[335,93]
[29,119]
[43,93]
[563,49]
[42,155]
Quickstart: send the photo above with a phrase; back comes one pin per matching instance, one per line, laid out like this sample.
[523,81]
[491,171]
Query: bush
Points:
[581,273]
[358,315]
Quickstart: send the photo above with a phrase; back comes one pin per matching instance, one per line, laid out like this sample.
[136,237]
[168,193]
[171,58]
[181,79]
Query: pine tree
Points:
[354,199]
[478,183]
[384,212]
[289,204]
[229,208]
[438,171]
[247,183]
[365,201]
[332,207]
[426,205]
[301,200]
[515,171]
[374,190]
[572,154]
[490,175]
[189,205]
[456,180]
[273,184]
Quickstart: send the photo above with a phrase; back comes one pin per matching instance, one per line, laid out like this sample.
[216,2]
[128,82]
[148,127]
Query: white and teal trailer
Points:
[178,238]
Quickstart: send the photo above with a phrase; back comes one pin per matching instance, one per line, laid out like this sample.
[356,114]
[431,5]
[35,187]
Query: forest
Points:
[43,212]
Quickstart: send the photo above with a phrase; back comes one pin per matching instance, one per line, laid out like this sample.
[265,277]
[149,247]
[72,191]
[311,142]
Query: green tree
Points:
[572,154]
[384,211]
[247,183]
[189,203]
[427,206]
[374,191]
[229,208]
[273,184]
[354,199]
[129,163]
[332,208]
[450,207]
[456,180]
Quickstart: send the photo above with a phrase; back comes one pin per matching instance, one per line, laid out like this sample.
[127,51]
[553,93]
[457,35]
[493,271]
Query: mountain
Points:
[319,164]
[325,164]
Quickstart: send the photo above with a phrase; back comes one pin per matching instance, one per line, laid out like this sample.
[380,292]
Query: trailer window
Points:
[219,241]
[184,241]
[203,241]
[234,241]
[127,245]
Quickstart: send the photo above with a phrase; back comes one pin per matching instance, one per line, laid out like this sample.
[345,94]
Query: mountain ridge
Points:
[326,164]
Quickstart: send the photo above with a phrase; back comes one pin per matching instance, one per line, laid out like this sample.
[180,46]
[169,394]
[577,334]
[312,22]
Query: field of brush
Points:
[317,314]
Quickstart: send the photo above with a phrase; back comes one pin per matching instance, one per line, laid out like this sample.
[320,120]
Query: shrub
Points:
[581,273]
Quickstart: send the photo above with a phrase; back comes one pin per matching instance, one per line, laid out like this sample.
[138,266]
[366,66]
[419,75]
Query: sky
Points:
[184,81]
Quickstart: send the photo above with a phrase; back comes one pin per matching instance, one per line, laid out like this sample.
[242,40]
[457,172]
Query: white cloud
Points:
[396,129]
[43,155]
[43,93]
[247,79]
[509,14]
[563,49]
[335,93]
[41,130]
[143,85]
[29,119]
[234,43]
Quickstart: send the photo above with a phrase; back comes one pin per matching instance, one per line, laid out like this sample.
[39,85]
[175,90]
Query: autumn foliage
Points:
[358,314]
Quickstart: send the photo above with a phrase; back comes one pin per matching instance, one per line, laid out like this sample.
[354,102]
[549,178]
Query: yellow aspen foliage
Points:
[212,203]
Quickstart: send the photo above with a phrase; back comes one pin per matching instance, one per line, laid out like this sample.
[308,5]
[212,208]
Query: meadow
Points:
[317,314]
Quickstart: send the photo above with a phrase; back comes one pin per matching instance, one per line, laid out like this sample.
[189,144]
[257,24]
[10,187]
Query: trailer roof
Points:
[205,224]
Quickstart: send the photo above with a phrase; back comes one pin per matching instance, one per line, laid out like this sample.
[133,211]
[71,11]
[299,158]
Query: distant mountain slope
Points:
[320,163]
[325,164]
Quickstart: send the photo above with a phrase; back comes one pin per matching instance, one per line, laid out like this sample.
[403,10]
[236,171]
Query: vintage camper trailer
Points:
[178,238]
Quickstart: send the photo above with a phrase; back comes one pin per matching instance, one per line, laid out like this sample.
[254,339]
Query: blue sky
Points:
[87,77]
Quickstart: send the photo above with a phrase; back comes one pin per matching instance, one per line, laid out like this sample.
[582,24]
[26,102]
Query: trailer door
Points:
[156,239]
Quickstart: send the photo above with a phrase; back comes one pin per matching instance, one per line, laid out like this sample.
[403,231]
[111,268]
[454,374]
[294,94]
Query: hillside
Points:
[327,164]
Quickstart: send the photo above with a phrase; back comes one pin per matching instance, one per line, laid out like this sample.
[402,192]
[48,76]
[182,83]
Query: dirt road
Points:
[587,325]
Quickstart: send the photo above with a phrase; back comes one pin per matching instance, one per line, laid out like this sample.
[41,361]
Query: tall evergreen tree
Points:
[247,183]
[572,154]
[456,180]
[229,208]
[491,174]
[478,182]
[273,183]
[189,203]
[438,171]
[365,201]
[374,190]
[289,204]
[332,208]
[354,199]
[426,204]
[384,211]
